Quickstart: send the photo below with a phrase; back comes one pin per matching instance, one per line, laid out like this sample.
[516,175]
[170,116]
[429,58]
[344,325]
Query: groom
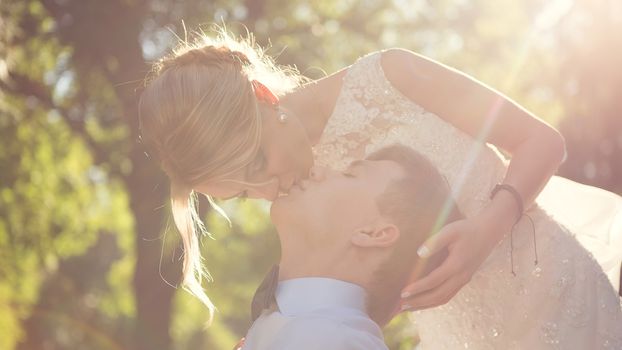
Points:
[347,249]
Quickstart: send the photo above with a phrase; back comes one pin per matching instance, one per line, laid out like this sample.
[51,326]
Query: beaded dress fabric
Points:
[566,301]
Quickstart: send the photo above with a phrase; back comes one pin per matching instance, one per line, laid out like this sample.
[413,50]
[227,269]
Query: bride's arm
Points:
[535,147]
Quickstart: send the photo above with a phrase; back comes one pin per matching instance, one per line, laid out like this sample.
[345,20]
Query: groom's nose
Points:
[317,173]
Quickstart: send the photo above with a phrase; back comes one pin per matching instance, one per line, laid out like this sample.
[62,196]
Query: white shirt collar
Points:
[303,295]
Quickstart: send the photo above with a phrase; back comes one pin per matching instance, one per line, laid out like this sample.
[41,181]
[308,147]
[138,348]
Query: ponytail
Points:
[191,228]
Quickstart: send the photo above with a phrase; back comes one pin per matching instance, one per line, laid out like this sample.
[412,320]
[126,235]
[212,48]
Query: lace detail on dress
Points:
[370,113]
[566,302]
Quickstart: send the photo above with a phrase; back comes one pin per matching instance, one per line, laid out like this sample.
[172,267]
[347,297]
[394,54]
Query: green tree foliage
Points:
[88,257]
[55,200]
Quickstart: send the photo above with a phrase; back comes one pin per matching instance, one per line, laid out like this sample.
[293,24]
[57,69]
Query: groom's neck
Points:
[308,264]
[302,255]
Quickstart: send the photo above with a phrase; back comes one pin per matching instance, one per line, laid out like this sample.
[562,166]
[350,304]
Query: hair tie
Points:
[521,213]
[514,193]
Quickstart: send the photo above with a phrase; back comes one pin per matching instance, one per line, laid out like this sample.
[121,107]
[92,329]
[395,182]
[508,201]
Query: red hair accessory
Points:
[264,94]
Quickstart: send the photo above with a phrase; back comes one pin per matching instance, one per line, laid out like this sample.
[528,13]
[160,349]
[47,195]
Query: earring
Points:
[281,116]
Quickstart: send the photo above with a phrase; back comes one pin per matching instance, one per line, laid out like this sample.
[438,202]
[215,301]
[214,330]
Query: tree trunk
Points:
[104,36]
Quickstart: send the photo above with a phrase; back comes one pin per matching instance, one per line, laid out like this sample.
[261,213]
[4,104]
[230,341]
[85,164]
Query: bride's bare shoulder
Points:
[394,61]
[322,93]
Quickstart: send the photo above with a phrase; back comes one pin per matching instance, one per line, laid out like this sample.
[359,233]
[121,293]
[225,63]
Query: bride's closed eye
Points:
[257,165]
[242,195]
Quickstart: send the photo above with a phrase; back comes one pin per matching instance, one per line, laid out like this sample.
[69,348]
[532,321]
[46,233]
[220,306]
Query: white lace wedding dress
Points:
[565,302]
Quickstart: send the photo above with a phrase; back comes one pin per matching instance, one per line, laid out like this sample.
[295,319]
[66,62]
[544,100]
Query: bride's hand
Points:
[468,242]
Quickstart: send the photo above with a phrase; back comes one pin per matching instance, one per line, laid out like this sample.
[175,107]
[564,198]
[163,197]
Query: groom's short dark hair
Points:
[420,204]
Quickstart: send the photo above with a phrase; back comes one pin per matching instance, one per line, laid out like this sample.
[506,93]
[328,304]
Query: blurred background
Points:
[88,259]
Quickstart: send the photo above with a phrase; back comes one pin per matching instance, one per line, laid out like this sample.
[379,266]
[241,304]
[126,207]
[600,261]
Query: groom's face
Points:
[332,202]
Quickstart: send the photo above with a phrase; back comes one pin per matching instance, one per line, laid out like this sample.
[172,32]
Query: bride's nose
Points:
[268,190]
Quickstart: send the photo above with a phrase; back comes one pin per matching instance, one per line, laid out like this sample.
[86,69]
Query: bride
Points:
[224,120]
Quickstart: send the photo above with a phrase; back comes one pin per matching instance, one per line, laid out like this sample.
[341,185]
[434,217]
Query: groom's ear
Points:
[382,235]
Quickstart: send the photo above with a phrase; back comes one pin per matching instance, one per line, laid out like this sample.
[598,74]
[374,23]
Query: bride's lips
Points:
[288,185]
[297,186]
[293,181]
[302,184]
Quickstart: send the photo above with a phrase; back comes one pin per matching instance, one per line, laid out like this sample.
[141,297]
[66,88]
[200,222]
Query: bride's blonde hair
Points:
[199,118]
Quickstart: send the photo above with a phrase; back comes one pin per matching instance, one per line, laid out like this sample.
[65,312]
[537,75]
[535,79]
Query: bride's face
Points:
[331,202]
[284,159]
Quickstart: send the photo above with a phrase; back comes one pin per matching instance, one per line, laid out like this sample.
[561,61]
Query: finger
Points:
[435,297]
[435,243]
[432,280]
[416,307]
